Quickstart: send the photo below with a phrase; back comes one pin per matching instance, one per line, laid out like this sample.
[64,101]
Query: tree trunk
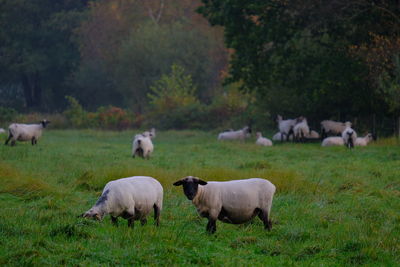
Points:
[32,90]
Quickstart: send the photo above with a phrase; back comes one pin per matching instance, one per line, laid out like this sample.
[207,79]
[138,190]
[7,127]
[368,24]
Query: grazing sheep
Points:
[234,202]
[363,141]
[301,129]
[333,141]
[26,132]
[285,127]
[333,127]
[142,146]
[262,141]
[131,198]
[279,137]
[235,135]
[349,136]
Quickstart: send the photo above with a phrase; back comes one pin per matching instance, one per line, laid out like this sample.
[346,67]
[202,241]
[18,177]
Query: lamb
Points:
[333,127]
[235,202]
[279,137]
[25,132]
[301,129]
[333,141]
[131,198]
[349,136]
[363,141]
[285,127]
[142,146]
[235,135]
[262,141]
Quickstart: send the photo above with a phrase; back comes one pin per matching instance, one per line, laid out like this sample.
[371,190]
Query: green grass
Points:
[332,207]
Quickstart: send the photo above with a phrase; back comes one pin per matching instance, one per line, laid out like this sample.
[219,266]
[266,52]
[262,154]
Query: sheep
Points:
[142,146]
[235,202]
[301,129]
[262,141]
[285,127]
[332,127]
[279,137]
[2,131]
[235,135]
[349,136]
[26,132]
[312,135]
[131,198]
[151,133]
[363,141]
[333,141]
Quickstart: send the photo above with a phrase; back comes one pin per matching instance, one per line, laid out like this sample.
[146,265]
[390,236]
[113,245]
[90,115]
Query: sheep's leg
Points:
[33,141]
[8,139]
[131,222]
[211,225]
[263,215]
[156,215]
[143,221]
[12,142]
[114,220]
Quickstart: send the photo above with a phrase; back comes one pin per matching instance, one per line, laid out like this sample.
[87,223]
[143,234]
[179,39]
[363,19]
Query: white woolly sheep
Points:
[285,127]
[142,146]
[131,198]
[25,132]
[363,141]
[233,202]
[235,135]
[301,129]
[262,141]
[349,136]
[279,137]
[333,141]
[2,130]
[312,135]
[333,127]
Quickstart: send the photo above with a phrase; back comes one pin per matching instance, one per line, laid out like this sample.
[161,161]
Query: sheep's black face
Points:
[190,186]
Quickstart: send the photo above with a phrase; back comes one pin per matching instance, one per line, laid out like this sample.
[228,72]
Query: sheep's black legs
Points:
[33,141]
[8,139]
[263,215]
[143,221]
[156,215]
[211,226]
[114,220]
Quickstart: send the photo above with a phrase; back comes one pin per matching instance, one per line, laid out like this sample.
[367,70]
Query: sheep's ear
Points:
[178,183]
[201,182]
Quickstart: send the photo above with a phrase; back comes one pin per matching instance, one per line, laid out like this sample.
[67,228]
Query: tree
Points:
[37,49]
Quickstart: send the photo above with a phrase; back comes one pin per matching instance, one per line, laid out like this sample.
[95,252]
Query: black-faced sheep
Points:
[333,127]
[285,127]
[349,136]
[131,198]
[25,132]
[233,202]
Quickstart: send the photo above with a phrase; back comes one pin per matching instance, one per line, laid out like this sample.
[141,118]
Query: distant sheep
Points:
[333,127]
[2,131]
[142,146]
[301,129]
[286,127]
[333,141]
[234,202]
[262,141]
[312,135]
[235,135]
[25,132]
[131,198]
[349,136]
[363,141]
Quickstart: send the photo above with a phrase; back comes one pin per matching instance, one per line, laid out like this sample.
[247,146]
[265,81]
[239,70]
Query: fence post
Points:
[398,127]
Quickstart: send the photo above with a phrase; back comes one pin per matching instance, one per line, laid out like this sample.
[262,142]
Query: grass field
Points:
[332,206]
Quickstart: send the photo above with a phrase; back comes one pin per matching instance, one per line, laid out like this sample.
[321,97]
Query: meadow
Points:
[332,207]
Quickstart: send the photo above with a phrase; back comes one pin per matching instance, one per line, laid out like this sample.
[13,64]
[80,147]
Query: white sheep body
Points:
[333,127]
[142,146]
[234,135]
[285,126]
[279,137]
[132,198]
[349,136]
[333,141]
[363,141]
[301,129]
[262,141]
[312,135]
[2,130]
[25,132]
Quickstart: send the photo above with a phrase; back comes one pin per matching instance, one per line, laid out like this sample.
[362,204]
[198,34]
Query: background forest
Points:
[200,64]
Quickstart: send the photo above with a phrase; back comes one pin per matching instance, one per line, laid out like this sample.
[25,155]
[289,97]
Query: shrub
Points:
[114,118]
[7,114]
[75,113]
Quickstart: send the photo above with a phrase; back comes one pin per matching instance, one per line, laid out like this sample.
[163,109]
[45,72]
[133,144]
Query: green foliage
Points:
[389,85]
[75,113]
[7,115]
[332,206]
